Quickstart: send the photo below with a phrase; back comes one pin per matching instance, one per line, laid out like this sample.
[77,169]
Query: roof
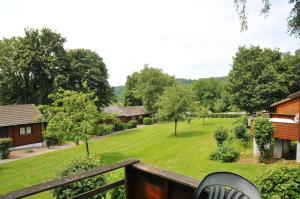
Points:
[125,110]
[290,97]
[11,115]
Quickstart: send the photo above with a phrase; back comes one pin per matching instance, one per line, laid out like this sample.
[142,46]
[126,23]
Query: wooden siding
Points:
[19,140]
[289,107]
[286,131]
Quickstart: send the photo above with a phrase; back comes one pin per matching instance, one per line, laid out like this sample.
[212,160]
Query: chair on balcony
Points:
[225,185]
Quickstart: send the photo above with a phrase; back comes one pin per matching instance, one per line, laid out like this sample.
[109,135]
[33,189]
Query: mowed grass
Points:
[187,153]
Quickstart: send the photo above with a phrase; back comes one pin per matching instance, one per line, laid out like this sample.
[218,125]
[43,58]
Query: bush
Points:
[280,182]
[4,147]
[263,130]
[119,126]
[225,153]
[76,188]
[188,119]
[147,121]
[220,135]
[104,129]
[132,123]
[243,120]
[224,115]
[240,131]
[118,193]
[52,139]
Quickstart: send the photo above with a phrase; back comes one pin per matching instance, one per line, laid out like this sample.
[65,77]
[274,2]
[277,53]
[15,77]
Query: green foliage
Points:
[73,115]
[33,66]
[253,82]
[119,126]
[262,130]
[147,121]
[174,103]
[104,129]
[4,147]
[188,119]
[220,135]
[53,138]
[76,188]
[130,97]
[240,132]
[280,182]
[225,153]
[224,115]
[118,193]
[132,123]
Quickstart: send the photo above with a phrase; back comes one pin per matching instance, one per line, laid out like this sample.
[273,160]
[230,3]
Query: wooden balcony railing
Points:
[141,182]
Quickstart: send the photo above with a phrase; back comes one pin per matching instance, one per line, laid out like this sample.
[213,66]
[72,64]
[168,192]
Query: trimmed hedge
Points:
[224,115]
[220,135]
[4,147]
[280,182]
[147,121]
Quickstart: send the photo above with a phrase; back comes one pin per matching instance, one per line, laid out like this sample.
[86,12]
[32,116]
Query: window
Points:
[25,130]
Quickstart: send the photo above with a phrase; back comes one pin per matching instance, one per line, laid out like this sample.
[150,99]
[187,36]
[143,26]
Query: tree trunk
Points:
[175,126]
[87,147]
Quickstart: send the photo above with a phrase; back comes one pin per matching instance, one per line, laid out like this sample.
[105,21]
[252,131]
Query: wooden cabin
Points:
[127,113]
[19,122]
[285,117]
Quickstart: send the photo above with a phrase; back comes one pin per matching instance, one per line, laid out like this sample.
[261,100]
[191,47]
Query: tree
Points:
[293,19]
[129,92]
[263,130]
[33,66]
[72,114]
[174,103]
[87,66]
[29,65]
[201,111]
[253,81]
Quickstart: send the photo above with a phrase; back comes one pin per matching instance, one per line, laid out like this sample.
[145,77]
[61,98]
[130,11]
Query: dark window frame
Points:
[25,128]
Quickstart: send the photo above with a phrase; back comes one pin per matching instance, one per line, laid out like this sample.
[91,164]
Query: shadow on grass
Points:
[110,157]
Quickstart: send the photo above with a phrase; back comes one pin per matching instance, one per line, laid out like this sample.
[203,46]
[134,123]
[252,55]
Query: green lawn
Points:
[188,154]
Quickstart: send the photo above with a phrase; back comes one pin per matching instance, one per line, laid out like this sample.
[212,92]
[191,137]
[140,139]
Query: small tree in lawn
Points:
[72,114]
[174,103]
[201,111]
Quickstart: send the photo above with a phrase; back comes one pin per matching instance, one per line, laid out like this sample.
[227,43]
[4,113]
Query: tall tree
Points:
[131,85]
[87,66]
[73,114]
[174,103]
[151,83]
[254,83]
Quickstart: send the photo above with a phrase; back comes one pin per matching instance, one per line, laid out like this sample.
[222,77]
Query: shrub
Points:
[52,139]
[280,182]
[28,151]
[262,130]
[104,129]
[132,123]
[4,147]
[76,188]
[147,121]
[220,135]
[119,126]
[225,153]
[188,119]
[118,193]
[240,131]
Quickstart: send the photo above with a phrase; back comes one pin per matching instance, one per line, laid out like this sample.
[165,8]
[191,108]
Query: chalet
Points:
[285,117]
[19,123]
[126,113]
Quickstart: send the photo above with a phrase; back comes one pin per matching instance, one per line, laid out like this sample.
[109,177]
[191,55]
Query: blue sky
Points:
[188,38]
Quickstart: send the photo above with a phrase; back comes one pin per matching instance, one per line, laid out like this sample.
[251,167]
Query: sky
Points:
[187,38]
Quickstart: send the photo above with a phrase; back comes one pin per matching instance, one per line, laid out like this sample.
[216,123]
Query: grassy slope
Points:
[188,154]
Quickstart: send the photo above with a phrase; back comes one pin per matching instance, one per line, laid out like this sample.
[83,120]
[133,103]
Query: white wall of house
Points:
[256,152]
[278,148]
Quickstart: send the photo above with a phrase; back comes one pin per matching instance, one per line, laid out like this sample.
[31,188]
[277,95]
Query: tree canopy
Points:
[72,114]
[33,66]
[254,82]
[174,103]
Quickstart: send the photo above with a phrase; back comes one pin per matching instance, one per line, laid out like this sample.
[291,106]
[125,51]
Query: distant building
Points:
[285,117]
[126,113]
[18,122]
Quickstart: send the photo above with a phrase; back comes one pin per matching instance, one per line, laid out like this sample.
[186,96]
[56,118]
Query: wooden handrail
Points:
[28,191]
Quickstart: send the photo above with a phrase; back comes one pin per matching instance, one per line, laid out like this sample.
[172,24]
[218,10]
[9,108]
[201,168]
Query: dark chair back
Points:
[225,185]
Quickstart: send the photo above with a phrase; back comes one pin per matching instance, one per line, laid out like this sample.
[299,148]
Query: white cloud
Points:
[190,38]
